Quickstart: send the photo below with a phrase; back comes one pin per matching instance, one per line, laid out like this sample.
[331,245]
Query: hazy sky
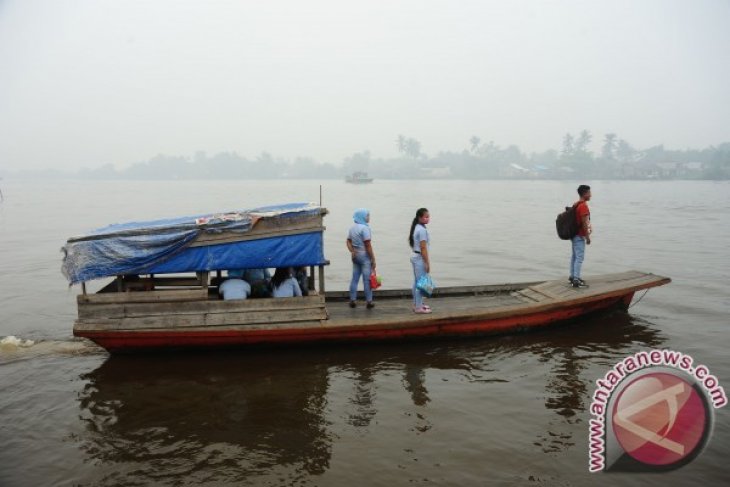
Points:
[88,82]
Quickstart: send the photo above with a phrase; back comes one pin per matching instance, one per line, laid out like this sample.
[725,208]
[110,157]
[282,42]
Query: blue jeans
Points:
[419,269]
[361,266]
[576,259]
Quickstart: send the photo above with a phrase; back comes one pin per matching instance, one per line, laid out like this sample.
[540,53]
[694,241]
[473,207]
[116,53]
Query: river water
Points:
[509,410]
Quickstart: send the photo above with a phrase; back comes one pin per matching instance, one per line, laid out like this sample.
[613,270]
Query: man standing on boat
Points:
[582,238]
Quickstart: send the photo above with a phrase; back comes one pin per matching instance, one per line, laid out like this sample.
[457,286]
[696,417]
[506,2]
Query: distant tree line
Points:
[617,159]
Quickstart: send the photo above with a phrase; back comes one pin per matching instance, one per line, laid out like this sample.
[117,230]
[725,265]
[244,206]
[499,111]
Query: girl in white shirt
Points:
[419,241]
[285,286]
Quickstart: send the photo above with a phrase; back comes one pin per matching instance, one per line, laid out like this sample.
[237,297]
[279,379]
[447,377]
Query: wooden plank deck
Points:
[533,297]
[390,310]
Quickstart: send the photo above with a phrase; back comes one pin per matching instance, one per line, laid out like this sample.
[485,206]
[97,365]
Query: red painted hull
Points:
[433,327]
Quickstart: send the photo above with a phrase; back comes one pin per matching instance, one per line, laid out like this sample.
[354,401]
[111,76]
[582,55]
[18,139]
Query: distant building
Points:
[664,170]
[691,170]
[436,172]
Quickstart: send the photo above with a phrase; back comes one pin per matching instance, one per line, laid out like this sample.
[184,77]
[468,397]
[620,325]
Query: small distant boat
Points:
[142,308]
[358,177]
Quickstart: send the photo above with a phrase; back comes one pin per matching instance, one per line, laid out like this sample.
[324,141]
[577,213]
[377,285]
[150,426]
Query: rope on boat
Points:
[637,301]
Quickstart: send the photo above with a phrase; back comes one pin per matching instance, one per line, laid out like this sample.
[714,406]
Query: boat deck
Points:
[392,306]
[393,309]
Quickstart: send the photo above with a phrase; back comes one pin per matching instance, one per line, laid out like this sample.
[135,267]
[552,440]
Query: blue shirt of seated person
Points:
[234,287]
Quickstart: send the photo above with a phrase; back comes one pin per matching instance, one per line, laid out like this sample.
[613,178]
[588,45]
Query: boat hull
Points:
[125,322]
[428,327]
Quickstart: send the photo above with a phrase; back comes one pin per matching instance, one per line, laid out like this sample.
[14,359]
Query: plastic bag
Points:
[375,281]
[425,285]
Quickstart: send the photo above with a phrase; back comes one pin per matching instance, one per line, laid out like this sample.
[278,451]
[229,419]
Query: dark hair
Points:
[280,275]
[419,214]
[583,189]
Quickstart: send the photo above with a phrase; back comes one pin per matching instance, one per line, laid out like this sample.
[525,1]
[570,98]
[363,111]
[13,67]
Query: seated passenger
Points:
[234,287]
[284,285]
[260,280]
[301,277]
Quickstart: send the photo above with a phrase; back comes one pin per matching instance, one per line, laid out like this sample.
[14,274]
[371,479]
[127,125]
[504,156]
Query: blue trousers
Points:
[576,259]
[361,266]
[419,269]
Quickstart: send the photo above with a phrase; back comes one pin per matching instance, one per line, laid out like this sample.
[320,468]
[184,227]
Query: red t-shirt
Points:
[581,210]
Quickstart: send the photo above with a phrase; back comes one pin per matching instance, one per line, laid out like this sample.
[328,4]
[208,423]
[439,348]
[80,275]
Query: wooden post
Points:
[204,279]
[83,288]
[321,280]
[310,278]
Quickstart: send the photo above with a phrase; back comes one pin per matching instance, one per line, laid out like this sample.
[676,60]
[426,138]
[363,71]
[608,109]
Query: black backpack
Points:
[567,223]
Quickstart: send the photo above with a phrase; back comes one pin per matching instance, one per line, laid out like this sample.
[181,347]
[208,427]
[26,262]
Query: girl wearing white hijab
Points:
[363,257]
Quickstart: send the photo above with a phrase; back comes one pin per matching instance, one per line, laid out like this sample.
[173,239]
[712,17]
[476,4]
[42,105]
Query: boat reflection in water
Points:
[276,417]
[576,359]
[176,416]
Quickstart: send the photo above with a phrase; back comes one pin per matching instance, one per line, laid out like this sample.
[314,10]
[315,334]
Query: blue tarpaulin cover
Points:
[163,246]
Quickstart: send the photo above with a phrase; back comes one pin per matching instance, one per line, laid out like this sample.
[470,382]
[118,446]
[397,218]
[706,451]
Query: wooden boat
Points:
[147,311]
[358,177]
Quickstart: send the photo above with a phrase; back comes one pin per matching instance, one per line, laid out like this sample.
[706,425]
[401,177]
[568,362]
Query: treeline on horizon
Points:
[617,159]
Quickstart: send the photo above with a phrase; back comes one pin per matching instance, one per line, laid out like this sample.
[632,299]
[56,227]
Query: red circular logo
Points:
[660,419]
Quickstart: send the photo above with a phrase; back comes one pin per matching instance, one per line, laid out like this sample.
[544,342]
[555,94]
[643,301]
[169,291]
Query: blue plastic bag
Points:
[425,285]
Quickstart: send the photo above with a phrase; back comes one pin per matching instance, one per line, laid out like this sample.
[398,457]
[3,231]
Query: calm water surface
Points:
[500,410]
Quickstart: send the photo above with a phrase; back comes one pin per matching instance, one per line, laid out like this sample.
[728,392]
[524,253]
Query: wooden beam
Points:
[321,279]
[128,310]
[176,322]
[264,228]
[204,279]
[145,296]
[231,237]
